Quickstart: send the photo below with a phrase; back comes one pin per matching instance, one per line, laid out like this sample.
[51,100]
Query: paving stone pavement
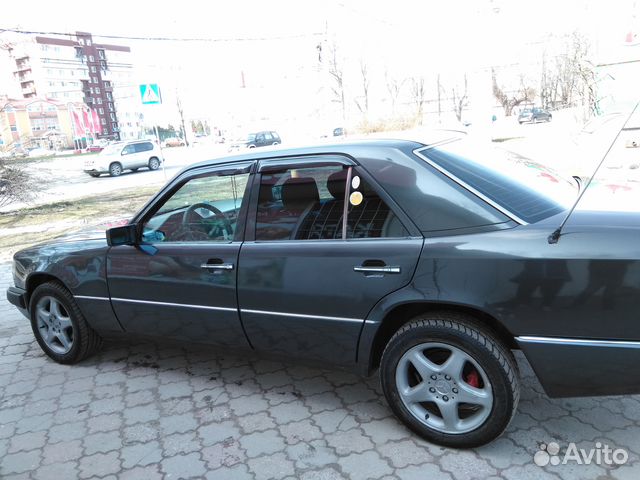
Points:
[145,411]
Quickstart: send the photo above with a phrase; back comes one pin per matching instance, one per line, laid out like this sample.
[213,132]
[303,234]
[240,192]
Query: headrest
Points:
[266,194]
[336,184]
[297,193]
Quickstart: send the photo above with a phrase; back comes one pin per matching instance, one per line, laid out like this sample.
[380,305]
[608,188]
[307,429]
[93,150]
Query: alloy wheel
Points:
[54,325]
[444,388]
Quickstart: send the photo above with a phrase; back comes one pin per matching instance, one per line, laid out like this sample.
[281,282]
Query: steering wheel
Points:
[189,212]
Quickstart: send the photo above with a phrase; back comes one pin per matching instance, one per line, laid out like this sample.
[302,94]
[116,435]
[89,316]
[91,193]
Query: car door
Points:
[260,140]
[127,158]
[180,281]
[142,154]
[306,280]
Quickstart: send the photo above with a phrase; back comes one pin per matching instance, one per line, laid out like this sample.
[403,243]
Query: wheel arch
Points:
[401,314]
[38,278]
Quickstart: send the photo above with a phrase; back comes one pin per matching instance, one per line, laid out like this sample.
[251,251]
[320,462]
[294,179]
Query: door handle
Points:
[217,266]
[385,269]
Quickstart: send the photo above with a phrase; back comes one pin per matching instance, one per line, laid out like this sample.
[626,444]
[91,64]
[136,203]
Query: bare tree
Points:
[569,79]
[394,87]
[16,185]
[460,99]
[337,74]
[512,99]
[418,95]
[364,105]
[181,113]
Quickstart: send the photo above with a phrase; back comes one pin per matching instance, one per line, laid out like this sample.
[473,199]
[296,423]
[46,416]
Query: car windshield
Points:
[251,137]
[527,189]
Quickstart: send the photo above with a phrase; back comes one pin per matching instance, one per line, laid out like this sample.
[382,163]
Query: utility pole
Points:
[181,112]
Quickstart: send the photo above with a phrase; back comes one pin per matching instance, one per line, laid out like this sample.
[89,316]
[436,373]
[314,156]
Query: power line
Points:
[166,39]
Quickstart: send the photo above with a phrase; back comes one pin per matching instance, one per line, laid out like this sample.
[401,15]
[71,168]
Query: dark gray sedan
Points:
[429,262]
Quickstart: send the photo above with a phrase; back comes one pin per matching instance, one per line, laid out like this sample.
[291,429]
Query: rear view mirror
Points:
[122,235]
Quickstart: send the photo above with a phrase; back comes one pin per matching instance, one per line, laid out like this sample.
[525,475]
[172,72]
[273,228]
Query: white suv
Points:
[117,157]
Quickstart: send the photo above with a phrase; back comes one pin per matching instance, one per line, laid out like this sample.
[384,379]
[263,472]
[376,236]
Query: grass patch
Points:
[29,226]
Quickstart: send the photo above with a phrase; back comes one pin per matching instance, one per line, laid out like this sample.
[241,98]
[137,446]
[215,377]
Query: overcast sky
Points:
[395,36]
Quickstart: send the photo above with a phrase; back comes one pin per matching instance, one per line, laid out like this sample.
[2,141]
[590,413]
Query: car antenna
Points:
[555,236]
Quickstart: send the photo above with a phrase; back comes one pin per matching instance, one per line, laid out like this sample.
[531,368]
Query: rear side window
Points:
[143,147]
[309,204]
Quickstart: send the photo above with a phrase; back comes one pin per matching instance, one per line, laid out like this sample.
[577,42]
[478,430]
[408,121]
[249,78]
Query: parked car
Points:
[339,132]
[257,139]
[40,152]
[173,142]
[534,115]
[95,148]
[120,156]
[427,261]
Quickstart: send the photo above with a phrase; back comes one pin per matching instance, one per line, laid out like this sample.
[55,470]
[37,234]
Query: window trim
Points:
[152,206]
[322,160]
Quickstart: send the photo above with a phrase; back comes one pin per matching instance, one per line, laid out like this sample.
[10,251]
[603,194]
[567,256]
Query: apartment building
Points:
[75,69]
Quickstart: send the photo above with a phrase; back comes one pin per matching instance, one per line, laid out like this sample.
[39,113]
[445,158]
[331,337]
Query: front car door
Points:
[306,280]
[128,155]
[180,282]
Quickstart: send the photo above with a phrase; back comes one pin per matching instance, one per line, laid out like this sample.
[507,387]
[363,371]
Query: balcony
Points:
[22,77]
[28,91]
[22,66]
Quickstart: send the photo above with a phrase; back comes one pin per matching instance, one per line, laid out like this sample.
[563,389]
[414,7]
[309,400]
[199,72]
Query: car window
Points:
[260,137]
[204,209]
[129,149]
[520,185]
[268,137]
[143,147]
[309,204]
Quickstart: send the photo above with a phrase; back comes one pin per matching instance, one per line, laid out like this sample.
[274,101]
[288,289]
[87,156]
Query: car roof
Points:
[351,146]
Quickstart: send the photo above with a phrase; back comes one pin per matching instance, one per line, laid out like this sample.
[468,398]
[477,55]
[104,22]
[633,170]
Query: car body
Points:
[428,260]
[120,156]
[41,152]
[534,115]
[262,138]
[173,142]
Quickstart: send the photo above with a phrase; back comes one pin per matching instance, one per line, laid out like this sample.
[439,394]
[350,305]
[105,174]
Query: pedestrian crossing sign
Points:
[150,94]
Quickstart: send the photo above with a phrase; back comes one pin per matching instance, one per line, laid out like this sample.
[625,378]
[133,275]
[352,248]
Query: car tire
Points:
[475,367]
[154,163]
[59,326]
[275,143]
[115,169]
[251,146]
[94,175]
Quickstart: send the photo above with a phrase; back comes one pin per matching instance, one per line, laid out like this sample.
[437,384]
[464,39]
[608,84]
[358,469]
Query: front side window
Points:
[309,204]
[204,209]
[129,149]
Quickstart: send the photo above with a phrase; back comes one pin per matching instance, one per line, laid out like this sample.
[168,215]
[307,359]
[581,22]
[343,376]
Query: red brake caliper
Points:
[473,379]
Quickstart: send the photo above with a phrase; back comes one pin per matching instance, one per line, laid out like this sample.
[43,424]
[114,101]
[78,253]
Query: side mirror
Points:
[122,235]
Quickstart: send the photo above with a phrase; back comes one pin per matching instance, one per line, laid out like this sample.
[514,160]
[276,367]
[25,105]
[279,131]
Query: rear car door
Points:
[180,282]
[143,152]
[307,280]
